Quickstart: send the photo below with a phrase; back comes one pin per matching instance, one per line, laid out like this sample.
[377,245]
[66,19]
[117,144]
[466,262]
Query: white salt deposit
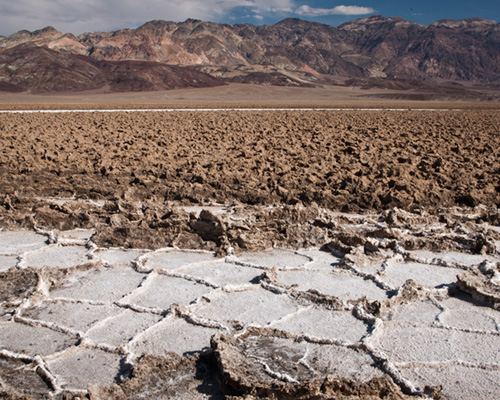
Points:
[397,273]
[33,340]
[81,366]
[161,291]
[100,284]
[58,256]
[7,262]
[283,259]
[18,242]
[118,256]
[257,306]
[173,259]
[339,283]
[110,306]
[173,335]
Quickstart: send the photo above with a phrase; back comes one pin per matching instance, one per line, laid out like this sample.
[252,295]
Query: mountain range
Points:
[164,55]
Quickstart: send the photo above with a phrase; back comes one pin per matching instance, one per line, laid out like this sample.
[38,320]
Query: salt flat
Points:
[249,253]
[290,315]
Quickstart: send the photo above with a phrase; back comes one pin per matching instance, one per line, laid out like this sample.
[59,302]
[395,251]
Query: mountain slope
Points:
[43,70]
[293,51]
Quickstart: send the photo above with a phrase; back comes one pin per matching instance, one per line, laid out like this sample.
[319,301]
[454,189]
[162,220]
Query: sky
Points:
[78,16]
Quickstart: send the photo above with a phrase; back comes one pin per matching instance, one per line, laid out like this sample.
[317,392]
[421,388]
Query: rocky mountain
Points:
[291,52]
[42,70]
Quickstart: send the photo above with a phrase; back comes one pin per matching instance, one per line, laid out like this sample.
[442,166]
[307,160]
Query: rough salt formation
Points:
[378,311]
[351,159]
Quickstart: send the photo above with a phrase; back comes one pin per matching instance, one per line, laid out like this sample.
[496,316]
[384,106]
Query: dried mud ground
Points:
[250,254]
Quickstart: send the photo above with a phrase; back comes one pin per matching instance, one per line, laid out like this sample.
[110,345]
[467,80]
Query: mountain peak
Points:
[464,23]
[48,31]
[295,51]
[374,21]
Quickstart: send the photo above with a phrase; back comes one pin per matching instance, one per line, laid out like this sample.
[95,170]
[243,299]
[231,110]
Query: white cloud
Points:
[77,16]
[339,10]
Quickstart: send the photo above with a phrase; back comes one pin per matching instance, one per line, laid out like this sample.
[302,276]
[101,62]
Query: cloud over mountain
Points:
[306,10]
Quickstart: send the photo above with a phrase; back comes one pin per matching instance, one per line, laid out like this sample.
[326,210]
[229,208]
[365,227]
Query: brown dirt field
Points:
[349,160]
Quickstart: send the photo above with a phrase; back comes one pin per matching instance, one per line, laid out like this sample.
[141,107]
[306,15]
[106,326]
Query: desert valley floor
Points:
[350,252]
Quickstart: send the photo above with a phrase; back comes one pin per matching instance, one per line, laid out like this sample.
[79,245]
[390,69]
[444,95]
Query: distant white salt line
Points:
[219,110]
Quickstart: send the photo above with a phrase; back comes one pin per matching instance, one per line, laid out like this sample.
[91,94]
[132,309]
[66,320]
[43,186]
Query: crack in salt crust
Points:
[235,305]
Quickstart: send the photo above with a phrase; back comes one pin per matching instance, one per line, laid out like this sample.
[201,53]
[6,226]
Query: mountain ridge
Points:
[293,51]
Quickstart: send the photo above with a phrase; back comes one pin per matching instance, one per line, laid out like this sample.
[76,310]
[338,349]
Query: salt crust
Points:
[113,305]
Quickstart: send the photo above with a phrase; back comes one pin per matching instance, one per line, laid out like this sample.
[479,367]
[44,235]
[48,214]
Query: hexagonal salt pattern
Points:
[338,283]
[81,366]
[118,256]
[58,256]
[255,306]
[397,273]
[100,284]
[173,334]
[283,259]
[33,340]
[173,259]
[109,306]
[19,242]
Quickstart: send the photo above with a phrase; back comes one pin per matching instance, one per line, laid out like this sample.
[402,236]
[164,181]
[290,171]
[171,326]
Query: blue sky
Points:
[78,16]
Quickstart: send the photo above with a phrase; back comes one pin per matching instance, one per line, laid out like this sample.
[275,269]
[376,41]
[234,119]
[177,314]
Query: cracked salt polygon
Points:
[7,262]
[268,358]
[419,312]
[161,291]
[21,376]
[118,256]
[463,314]
[257,306]
[80,367]
[26,339]
[73,315]
[397,273]
[100,284]
[302,361]
[469,319]
[175,259]
[320,260]
[339,283]
[342,361]
[406,343]
[452,257]
[465,346]
[173,335]
[120,329]
[58,256]
[222,273]
[20,242]
[324,324]
[275,258]
[458,382]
